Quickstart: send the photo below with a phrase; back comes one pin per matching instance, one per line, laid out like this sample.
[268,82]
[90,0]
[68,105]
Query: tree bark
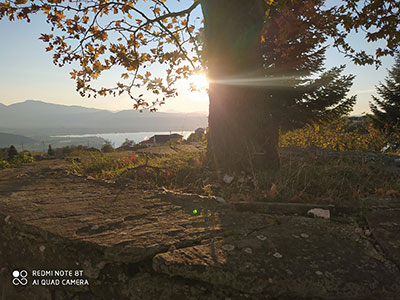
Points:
[242,135]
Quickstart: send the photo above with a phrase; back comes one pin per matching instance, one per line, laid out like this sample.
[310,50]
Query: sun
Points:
[198,82]
[194,91]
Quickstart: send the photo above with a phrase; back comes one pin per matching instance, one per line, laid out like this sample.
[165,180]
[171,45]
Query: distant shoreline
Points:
[118,133]
[118,138]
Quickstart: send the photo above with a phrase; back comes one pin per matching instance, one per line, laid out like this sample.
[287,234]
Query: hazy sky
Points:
[27,72]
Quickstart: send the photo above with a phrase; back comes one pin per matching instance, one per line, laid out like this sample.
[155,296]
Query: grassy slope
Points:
[306,175]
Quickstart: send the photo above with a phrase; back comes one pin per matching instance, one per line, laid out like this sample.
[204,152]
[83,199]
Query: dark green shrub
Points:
[11,153]
[50,151]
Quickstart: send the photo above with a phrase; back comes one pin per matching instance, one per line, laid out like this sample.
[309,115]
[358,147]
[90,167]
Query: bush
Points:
[176,170]
[197,138]
[128,143]
[107,147]
[70,151]
[11,153]
[21,158]
[99,165]
[3,154]
[4,164]
[50,151]
[171,143]
[193,137]
[340,135]
[17,160]
[138,146]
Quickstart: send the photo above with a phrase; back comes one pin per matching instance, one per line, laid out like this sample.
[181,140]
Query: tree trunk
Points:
[241,135]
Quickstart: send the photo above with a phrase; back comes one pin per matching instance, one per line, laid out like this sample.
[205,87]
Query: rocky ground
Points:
[135,242]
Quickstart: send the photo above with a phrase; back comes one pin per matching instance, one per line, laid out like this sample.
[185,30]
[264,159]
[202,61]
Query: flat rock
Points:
[320,213]
[385,228]
[332,263]
[130,224]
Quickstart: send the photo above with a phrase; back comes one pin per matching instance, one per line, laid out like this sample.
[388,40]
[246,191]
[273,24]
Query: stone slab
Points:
[130,223]
[300,257]
[385,228]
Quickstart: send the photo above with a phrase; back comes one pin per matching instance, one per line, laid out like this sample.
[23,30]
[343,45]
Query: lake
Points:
[117,139]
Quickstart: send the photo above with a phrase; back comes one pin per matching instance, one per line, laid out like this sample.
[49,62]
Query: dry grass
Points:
[306,175]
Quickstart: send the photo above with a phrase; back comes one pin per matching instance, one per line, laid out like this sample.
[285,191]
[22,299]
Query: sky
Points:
[27,72]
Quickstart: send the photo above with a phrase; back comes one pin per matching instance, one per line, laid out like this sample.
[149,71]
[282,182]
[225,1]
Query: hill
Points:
[7,139]
[40,118]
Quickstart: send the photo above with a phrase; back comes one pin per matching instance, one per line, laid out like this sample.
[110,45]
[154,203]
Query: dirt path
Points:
[135,242]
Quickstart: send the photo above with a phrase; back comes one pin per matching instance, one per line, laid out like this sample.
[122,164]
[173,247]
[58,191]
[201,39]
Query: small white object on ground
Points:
[261,237]
[304,235]
[320,213]
[385,148]
[228,247]
[248,250]
[278,255]
[228,179]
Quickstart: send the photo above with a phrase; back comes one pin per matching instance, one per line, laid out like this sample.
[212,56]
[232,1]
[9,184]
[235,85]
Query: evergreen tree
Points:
[12,152]
[50,151]
[386,108]
[299,90]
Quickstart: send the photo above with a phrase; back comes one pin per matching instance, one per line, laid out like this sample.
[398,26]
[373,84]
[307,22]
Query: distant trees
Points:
[198,136]
[128,143]
[15,159]
[386,108]
[50,151]
[12,152]
[3,154]
[107,147]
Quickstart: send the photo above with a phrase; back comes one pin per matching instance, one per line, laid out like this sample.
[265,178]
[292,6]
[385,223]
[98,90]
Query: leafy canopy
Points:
[135,35]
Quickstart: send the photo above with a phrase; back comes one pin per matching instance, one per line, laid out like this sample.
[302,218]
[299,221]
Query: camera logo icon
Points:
[19,277]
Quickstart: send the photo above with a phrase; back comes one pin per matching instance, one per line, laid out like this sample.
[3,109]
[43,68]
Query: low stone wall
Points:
[25,247]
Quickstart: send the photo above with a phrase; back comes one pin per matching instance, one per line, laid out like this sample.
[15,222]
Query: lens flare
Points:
[198,82]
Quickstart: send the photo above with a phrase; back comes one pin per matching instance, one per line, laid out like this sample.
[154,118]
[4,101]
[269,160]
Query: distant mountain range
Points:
[36,118]
[7,139]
